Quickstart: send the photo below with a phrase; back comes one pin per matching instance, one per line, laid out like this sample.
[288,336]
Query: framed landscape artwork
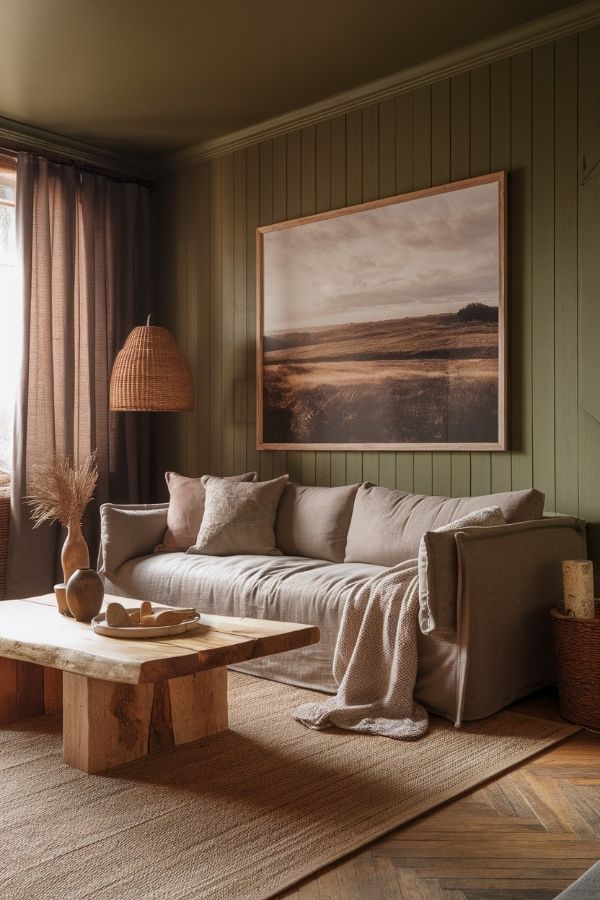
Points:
[383,326]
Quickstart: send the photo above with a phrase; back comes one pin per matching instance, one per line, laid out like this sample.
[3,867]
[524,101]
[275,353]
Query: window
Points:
[10,316]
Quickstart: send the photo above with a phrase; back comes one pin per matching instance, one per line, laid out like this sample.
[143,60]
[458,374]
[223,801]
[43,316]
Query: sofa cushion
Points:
[314,521]
[281,588]
[239,517]
[387,526]
[186,509]
[126,531]
[438,570]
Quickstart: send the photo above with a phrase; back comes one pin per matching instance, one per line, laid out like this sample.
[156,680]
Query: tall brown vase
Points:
[75,554]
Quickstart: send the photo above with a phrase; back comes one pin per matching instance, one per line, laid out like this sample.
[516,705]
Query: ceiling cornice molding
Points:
[17,136]
[516,40]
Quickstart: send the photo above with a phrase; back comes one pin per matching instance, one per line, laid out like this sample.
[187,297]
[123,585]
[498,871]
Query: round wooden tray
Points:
[139,632]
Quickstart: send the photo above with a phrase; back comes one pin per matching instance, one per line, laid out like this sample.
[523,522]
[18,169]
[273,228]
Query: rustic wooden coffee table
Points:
[123,699]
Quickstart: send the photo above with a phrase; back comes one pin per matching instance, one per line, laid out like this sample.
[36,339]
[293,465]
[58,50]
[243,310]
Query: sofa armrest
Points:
[127,531]
[509,577]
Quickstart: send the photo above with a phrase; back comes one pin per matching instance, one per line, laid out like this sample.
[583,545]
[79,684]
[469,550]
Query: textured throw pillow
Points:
[128,532]
[314,521]
[239,517]
[387,525]
[438,570]
[186,508]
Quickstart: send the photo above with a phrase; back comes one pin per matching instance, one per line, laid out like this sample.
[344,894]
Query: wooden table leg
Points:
[28,690]
[106,724]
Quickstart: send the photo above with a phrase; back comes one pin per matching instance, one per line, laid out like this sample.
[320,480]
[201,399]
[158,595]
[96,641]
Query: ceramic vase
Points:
[75,553]
[85,592]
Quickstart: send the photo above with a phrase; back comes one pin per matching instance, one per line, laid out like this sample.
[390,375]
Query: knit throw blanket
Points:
[375,661]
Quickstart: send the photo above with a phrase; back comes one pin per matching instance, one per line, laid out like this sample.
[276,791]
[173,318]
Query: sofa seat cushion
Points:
[387,525]
[292,589]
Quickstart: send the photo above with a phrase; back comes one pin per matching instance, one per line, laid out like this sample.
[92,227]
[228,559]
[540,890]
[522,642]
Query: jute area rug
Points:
[243,814]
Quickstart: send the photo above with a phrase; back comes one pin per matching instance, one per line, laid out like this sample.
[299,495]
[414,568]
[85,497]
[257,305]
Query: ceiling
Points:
[145,77]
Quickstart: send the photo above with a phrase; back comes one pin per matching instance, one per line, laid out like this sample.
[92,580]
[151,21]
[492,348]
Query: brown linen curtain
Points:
[84,248]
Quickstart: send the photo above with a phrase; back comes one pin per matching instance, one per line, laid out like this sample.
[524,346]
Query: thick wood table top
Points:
[33,630]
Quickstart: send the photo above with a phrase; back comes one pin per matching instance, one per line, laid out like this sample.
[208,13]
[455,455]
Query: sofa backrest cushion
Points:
[186,508]
[387,526]
[314,521]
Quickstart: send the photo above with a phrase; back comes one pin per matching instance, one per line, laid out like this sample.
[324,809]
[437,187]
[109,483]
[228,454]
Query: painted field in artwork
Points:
[423,379]
[382,326]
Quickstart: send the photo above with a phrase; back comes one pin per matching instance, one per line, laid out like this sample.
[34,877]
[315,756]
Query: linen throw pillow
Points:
[239,517]
[128,531]
[438,570]
[314,521]
[186,508]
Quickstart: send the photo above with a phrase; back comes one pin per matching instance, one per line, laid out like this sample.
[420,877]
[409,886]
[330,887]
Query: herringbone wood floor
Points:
[524,836]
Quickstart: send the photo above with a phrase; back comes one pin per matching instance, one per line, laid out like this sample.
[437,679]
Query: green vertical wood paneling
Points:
[191,238]
[536,115]
[179,423]
[589,263]
[565,278]
[520,198]
[239,311]
[165,199]
[202,362]
[215,380]
[227,317]
[542,271]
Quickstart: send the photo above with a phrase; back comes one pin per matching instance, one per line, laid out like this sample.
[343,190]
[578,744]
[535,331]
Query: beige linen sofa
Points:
[492,643]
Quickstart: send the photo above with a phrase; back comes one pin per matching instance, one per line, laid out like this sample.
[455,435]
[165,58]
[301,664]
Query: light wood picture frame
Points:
[383,326]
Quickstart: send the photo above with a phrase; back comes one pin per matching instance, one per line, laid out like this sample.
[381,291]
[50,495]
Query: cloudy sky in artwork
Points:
[415,258]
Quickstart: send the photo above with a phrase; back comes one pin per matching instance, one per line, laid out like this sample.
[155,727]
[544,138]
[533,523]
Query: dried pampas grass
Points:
[60,492]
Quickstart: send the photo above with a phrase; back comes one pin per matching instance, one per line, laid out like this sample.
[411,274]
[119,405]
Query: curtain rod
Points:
[62,160]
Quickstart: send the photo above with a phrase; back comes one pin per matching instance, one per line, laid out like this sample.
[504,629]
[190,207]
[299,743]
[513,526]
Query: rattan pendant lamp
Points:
[151,374]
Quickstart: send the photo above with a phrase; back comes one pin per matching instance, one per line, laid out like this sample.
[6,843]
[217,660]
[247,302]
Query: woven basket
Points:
[4,520]
[577,646]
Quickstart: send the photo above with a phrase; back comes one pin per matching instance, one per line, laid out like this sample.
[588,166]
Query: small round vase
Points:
[75,554]
[85,592]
